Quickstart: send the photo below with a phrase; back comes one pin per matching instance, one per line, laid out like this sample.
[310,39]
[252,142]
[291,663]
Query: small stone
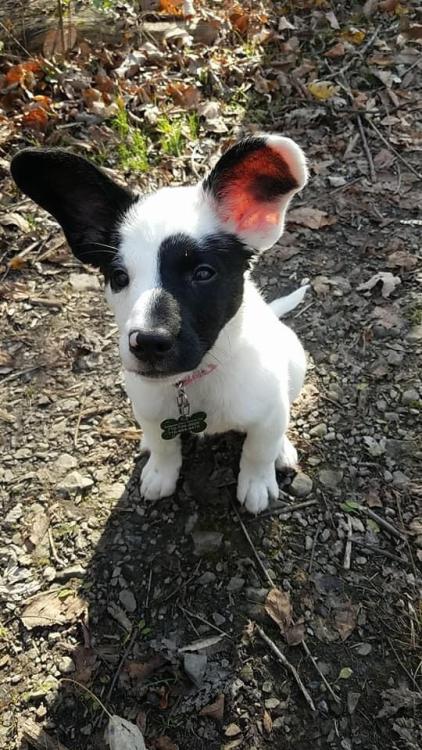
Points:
[410,396]
[267,686]
[128,600]
[49,573]
[257,595]
[206,542]
[325,535]
[74,482]
[232,730]
[218,619]
[66,665]
[112,492]
[394,358]
[84,282]
[352,701]
[301,485]
[415,333]
[363,649]
[400,479]
[271,703]
[308,543]
[336,180]
[319,430]
[207,577]
[357,524]
[65,463]
[235,584]
[330,478]
[195,666]
[246,673]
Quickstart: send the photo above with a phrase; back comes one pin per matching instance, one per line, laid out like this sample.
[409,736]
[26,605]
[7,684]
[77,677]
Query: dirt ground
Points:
[159,609]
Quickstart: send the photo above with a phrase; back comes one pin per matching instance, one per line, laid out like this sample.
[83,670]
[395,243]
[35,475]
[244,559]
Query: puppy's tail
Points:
[283,305]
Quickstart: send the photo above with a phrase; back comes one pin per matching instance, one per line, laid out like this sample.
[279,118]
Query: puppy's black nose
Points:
[150,345]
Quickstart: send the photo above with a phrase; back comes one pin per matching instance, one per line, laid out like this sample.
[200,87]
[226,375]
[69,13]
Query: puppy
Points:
[201,349]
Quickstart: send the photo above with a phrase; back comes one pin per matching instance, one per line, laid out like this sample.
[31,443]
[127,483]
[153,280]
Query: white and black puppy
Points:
[201,349]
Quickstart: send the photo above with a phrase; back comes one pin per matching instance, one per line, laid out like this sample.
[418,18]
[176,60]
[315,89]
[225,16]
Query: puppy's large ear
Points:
[85,201]
[252,185]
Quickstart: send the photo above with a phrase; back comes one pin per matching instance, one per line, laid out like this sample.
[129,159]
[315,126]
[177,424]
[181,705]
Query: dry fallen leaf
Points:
[141,670]
[322,90]
[312,218]
[402,259]
[345,620]
[47,609]
[232,730]
[278,606]
[385,278]
[267,722]
[338,50]
[295,633]
[123,735]
[214,710]
[164,743]
[184,94]
[353,35]
[13,219]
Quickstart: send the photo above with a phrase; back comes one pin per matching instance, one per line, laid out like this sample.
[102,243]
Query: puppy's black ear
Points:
[85,201]
[252,184]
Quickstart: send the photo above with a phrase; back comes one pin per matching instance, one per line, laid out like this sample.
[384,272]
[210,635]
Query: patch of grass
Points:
[172,139]
[414,314]
[133,149]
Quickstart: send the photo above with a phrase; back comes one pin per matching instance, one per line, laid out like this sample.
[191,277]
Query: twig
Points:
[148,589]
[348,548]
[303,310]
[280,656]
[366,149]
[404,668]
[19,374]
[55,556]
[323,678]
[205,622]
[287,508]
[252,546]
[382,522]
[78,421]
[375,550]
[311,561]
[409,549]
[391,148]
[357,54]
[16,41]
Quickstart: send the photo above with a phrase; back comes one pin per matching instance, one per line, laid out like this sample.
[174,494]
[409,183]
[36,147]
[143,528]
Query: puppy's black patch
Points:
[204,280]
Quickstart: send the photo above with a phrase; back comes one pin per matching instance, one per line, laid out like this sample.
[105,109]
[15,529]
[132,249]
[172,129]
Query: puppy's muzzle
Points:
[151,346]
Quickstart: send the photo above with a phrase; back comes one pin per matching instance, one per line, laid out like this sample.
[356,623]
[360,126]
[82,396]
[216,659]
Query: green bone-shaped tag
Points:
[171,428]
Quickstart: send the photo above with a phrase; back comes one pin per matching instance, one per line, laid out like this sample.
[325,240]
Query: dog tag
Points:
[171,428]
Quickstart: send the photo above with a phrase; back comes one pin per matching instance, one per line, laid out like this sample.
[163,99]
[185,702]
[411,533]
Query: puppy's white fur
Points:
[260,362]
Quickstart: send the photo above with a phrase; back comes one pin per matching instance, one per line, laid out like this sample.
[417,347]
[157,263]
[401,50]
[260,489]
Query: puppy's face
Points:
[174,262]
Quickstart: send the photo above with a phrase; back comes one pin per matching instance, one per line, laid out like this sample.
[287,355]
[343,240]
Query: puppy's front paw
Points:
[287,458]
[255,487]
[159,478]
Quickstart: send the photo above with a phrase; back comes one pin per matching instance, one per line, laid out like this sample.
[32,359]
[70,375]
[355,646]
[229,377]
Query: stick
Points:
[280,656]
[54,554]
[287,508]
[38,738]
[311,561]
[205,622]
[348,548]
[392,149]
[366,149]
[323,678]
[78,421]
[252,546]
[382,522]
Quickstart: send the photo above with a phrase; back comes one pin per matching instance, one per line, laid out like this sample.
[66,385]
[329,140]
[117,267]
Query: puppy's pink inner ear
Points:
[249,197]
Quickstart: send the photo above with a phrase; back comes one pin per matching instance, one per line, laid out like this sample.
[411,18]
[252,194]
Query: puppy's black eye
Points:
[118,279]
[203,273]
